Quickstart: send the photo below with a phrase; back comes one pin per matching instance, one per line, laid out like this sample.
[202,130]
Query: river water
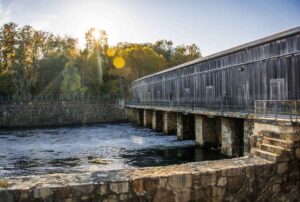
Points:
[80,149]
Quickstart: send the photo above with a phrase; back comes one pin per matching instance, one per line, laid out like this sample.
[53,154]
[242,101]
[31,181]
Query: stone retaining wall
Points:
[239,179]
[56,113]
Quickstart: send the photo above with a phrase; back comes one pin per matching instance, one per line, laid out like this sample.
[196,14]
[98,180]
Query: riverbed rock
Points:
[4,184]
[100,161]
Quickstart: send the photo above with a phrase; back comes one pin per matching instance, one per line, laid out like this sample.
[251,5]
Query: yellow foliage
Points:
[110,52]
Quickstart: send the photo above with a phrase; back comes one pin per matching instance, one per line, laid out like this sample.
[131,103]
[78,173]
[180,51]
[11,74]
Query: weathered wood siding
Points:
[269,70]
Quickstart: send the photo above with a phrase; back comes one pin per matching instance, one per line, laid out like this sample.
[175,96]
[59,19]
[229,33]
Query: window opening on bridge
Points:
[277,93]
[277,89]
[210,93]
[187,93]
[242,95]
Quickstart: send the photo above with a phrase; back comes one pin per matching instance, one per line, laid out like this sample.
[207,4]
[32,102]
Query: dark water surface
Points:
[76,149]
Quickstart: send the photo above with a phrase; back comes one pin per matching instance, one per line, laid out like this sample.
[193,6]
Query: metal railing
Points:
[245,106]
[57,97]
[278,109]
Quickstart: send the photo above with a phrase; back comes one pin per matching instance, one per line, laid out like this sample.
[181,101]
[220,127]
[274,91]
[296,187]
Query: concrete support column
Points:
[157,120]
[154,122]
[179,127]
[185,127]
[248,131]
[230,143]
[147,118]
[131,114]
[169,122]
[139,118]
[207,131]
[199,130]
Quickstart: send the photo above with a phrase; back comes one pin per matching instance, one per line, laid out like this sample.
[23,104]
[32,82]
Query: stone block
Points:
[124,197]
[63,192]
[102,189]
[162,182]
[111,198]
[297,153]
[276,188]
[119,187]
[85,198]
[24,194]
[222,181]
[282,168]
[180,182]
[232,172]
[208,180]
[149,185]
[81,190]
[235,183]
[6,196]
[163,195]
[42,192]
[138,186]
[218,191]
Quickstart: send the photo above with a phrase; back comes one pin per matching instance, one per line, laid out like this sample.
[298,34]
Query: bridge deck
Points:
[233,114]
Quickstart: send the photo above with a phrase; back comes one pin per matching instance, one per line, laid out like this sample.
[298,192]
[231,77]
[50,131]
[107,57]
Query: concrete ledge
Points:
[213,113]
[250,178]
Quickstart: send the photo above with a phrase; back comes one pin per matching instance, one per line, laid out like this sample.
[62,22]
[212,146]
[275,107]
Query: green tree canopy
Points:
[71,83]
[36,62]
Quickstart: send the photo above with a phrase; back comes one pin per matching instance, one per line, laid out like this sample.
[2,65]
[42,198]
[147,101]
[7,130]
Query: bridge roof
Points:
[273,37]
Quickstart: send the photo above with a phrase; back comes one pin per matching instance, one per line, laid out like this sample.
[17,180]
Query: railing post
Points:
[276,108]
[291,112]
[296,110]
[265,108]
[255,112]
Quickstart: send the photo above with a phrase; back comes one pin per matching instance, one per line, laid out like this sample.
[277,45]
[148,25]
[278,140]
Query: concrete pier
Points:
[207,131]
[139,117]
[169,122]
[185,127]
[147,118]
[232,132]
[157,120]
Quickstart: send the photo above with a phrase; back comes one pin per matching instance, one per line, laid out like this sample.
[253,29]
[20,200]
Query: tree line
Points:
[34,62]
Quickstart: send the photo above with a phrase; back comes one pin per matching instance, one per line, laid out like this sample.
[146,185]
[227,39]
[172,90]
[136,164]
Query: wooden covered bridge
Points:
[218,99]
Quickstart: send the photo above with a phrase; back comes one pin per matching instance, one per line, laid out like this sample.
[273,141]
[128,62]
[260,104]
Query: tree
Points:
[141,61]
[24,66]
[50,74]
[71,83]
[164,47]
[182,54]
[8,41]
[36,62]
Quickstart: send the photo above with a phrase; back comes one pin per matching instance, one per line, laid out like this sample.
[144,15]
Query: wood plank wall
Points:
[264,72]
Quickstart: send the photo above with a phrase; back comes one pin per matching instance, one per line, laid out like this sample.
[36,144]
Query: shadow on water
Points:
[170,156]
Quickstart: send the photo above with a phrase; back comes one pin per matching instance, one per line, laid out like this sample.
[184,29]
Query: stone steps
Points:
[264,154]
[277,142]
[282,136]
[272,146]
[273,149]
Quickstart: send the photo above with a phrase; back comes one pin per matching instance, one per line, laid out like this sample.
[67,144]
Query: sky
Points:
[213,25]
